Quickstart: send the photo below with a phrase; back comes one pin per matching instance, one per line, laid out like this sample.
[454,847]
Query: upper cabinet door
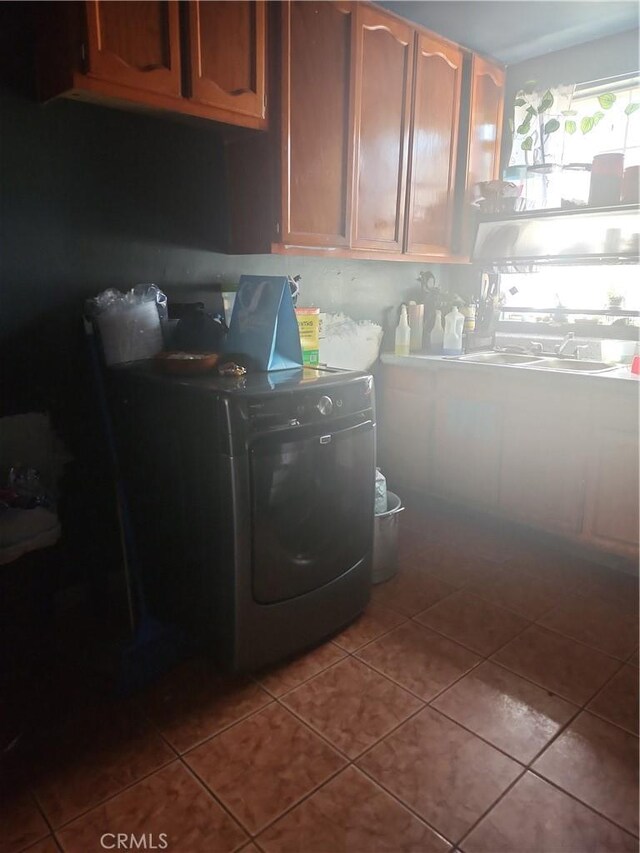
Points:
[434,140]
[317,122]
[485,124]
[383,71]
[135,44]
[227,47]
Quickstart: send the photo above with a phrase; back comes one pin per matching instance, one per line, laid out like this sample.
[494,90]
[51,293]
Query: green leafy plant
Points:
[537,125]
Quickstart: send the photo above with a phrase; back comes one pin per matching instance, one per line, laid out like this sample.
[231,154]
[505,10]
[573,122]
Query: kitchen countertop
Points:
[621,376]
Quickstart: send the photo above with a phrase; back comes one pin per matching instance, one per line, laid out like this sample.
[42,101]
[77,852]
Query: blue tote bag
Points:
[264,325]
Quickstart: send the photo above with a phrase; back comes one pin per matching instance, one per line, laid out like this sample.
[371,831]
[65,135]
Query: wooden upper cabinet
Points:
[317,143]
[135,44]
[382,77]
[434,140]
[227,56]
[203,59]
[485,124]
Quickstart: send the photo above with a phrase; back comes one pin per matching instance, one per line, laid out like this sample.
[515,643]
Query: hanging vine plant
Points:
[538,122]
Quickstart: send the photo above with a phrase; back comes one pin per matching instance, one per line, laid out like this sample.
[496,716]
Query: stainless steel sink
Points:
[500,358]
[573,365]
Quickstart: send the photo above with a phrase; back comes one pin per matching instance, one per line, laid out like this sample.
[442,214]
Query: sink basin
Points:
[500,358]
[574,365]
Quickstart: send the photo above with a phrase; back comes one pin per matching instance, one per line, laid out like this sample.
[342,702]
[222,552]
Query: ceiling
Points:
[514,30]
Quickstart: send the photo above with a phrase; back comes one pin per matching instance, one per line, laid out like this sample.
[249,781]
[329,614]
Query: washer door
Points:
[312,508]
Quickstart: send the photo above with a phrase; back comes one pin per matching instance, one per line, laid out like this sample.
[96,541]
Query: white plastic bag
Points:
[129,323]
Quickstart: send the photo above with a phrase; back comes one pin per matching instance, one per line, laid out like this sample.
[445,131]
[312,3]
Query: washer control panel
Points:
[308,406]
[325,405]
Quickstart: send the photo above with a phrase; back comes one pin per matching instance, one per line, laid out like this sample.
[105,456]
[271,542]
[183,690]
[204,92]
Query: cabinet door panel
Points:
[227,54]
[135,44]
[317,123]
[613,509]
[434,140]
[487,96]
[468,434]
[405,438]
[383,90]
[544,462]
[484,139]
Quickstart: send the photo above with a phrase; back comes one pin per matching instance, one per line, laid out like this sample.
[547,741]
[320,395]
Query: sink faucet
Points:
[580,351]
[536,347]
[565,343]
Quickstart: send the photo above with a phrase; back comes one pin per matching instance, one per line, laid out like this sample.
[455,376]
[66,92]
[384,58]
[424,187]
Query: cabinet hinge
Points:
[83,57]
[277,228]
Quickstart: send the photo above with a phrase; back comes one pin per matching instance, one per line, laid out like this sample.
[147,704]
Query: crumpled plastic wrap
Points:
[112,299]
[129,324]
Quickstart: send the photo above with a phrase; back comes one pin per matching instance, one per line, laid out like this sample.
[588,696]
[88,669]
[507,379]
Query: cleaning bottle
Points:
[453,325]
[403,333]
[416,324]
[437,334]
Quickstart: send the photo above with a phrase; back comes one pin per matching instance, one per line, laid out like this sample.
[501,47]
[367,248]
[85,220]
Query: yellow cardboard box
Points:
[309,328]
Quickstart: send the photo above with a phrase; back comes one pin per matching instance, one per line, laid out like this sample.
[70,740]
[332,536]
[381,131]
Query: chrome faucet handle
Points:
[560,348]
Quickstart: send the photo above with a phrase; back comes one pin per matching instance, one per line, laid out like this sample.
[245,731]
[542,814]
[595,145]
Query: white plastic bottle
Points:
[437,334]
[416,324]
[453,326]
[403,333]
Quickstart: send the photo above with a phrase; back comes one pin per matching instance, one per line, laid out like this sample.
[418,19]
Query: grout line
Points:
[367,748]
[555,785]
[529,768]
[404,804]
[39,808]
[110,796]
[580,642]
[469,648]
[305,679]
[562,729]
[208,790]
[481,737]
[538,684]
[226,728]
[491,807]
[412,692]
[601,690]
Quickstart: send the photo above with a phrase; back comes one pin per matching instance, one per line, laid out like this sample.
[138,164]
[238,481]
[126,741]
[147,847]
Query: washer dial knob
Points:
[325,405]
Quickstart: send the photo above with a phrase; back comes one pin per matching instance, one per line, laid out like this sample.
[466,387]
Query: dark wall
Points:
[605,57]
[95,198]
[89,198]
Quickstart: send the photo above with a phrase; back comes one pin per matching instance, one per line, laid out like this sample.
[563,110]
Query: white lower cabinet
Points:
[558,455]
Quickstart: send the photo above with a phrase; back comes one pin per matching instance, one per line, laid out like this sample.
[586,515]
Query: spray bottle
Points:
[403,333]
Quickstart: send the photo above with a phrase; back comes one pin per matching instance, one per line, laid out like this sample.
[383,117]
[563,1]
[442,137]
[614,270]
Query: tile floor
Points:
[486,702]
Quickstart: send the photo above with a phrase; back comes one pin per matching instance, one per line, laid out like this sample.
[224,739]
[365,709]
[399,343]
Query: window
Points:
[557,133]
[597,297]
[618,128]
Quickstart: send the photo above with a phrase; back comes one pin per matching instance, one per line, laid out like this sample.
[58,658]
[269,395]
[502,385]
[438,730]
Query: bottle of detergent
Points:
[403,333]
[437,334]
[453,325]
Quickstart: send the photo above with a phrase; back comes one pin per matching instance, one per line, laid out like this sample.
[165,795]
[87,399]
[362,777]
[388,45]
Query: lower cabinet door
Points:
[404,440]
[467,449]
[543,471]
[612,505]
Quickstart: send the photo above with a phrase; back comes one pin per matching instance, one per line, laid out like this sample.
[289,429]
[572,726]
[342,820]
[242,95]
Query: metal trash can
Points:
[385,540]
